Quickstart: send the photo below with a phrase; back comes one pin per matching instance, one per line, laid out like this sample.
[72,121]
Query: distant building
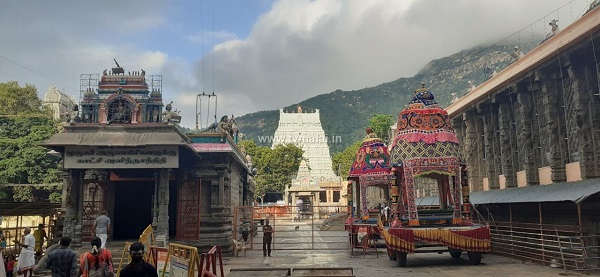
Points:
[58,102]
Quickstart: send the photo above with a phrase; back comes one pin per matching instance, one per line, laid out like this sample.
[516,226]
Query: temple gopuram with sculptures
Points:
[124,152]
[315,185]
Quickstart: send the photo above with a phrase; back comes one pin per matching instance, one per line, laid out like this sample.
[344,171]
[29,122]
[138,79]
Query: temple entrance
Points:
[133,209]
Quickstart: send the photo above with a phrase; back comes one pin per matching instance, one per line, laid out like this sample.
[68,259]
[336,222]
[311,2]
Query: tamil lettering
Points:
[121,157]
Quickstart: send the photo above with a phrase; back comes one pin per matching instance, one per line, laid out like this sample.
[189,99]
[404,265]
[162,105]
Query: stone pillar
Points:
[507,142]
[459,129]
[581,134]
[221,200]
[72,202]
[471,150]
[490,126]
[592,156]
[523,119]
[162,222]
[228,188]
[553,145]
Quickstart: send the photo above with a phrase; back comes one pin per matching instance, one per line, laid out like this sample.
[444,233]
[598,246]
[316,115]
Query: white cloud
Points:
[152,60]
[296,50]
[210,36]
[303,48]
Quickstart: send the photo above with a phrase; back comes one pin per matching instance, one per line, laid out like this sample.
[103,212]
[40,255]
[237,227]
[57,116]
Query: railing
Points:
[548,244]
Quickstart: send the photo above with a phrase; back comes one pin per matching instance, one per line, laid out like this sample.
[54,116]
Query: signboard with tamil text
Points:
[121,157]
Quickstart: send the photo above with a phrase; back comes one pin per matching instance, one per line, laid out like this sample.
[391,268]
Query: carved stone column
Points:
[162,222]
[71,195]
[550,105]
[507,142]
[580,135]
[472,153]
[523,120]
[489,141]
[227,188]
[221,188]
[592,156]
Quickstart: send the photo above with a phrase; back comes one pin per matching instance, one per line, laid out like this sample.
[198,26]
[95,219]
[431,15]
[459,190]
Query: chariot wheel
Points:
[474,258]
[401,258]
[391,254]
[455,253]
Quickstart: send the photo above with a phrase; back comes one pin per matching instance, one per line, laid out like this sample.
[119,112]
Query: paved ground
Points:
[302,238]
[421,264]
[427,264]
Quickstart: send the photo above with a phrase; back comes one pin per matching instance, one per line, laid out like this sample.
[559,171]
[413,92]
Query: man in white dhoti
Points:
[27,255]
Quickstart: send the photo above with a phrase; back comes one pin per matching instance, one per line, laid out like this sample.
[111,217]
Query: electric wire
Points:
[38,73]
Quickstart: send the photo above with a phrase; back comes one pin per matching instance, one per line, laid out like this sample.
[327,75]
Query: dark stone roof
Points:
[117,135]
[121,135]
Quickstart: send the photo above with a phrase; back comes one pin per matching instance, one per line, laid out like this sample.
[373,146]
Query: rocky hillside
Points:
[346,113]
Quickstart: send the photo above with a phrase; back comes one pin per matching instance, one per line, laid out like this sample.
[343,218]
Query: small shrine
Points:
[124,154]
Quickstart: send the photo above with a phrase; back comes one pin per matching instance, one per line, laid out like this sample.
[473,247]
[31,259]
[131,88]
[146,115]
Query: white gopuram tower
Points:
[310,185]
[304,130]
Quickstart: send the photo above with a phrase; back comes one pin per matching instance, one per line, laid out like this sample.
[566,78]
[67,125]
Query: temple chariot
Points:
[424,150]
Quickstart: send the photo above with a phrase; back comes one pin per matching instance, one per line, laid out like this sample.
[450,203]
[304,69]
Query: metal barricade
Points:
[321,228]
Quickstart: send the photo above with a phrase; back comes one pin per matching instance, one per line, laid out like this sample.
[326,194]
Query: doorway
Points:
[133,209]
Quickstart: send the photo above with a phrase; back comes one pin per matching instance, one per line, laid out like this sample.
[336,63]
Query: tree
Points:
[380,123]
[18,100]
[275,167]
[345,159]
[23,126]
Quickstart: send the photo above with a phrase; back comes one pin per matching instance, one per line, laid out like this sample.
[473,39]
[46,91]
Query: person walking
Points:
[101,228]
[27,255]
[267,238]
[63,261]
[138,267]
[97,262]
[40,235]
[244,231]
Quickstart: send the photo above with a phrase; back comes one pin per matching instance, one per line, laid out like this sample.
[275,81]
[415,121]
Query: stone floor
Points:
[425,264]
[302,235]
[371,264]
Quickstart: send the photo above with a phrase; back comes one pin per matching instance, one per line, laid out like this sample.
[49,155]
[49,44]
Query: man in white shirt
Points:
[27,255]
[101,228]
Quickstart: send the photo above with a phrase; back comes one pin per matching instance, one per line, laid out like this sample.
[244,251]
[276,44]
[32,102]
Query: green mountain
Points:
[346,113]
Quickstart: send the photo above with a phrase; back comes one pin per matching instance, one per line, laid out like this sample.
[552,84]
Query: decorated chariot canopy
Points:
[372,159]
[371,166]
[425,145]
[424,137]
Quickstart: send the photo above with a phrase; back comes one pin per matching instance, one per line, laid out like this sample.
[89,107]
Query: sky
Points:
[254,55]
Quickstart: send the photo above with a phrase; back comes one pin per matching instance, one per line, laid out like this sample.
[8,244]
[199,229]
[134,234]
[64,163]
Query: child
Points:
[10,265]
